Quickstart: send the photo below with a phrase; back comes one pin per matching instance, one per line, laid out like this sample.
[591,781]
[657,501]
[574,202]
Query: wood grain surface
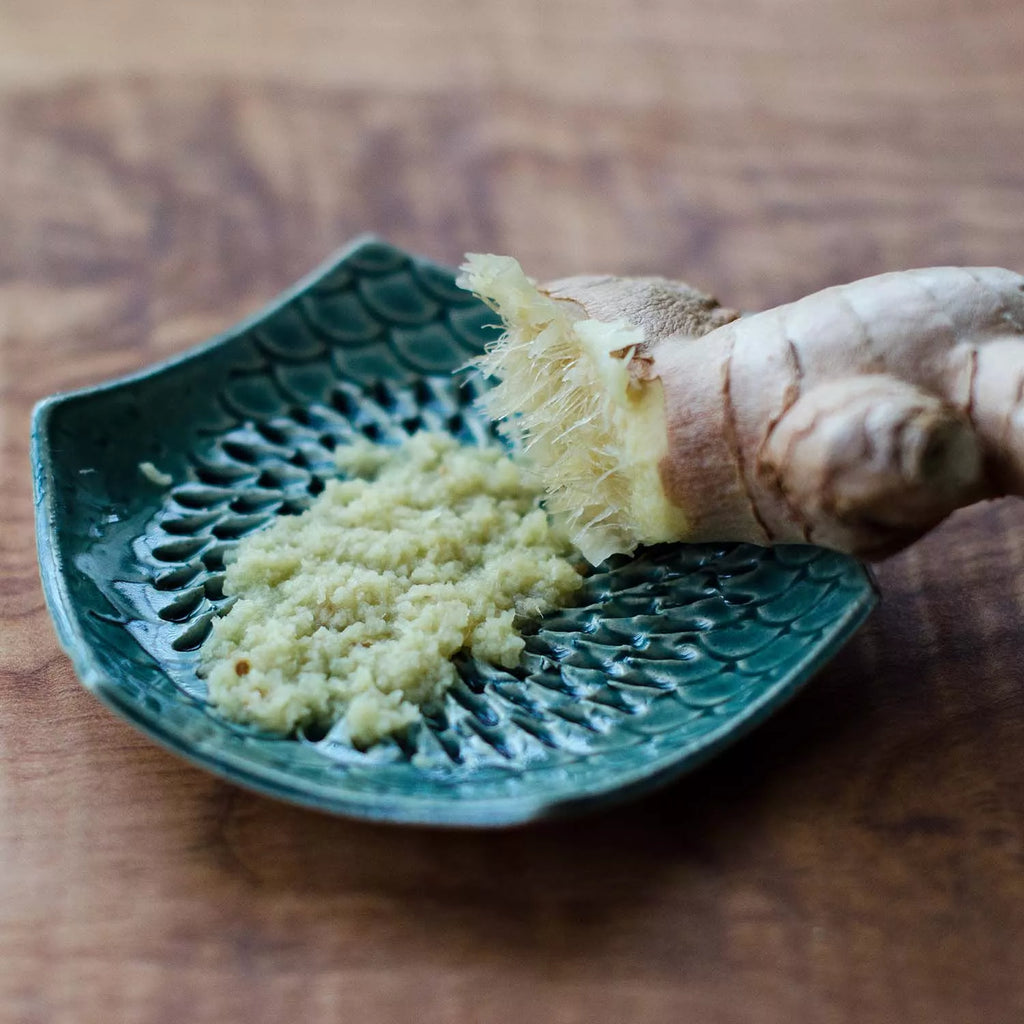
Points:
[166,168]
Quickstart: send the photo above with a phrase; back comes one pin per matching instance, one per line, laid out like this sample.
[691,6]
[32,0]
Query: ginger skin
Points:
[857,418]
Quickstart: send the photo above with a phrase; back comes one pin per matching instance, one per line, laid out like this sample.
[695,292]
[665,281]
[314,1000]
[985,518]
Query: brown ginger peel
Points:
[856,418]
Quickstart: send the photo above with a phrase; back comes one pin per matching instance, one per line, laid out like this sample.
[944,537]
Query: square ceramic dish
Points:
[667,657]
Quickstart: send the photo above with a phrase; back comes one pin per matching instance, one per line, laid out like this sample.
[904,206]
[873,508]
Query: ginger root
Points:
[857,418]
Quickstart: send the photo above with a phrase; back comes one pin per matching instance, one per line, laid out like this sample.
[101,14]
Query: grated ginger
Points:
[353,610]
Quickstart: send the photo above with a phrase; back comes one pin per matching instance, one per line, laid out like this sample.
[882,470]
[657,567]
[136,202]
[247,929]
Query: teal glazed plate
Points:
[667,657]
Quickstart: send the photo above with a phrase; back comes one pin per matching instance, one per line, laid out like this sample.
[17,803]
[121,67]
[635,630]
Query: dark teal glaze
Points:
[668,657]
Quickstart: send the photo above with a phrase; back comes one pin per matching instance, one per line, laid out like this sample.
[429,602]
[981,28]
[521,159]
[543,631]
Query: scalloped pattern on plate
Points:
[666,657]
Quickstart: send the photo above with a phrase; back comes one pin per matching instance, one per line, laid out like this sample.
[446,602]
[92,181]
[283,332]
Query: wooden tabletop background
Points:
[166,168]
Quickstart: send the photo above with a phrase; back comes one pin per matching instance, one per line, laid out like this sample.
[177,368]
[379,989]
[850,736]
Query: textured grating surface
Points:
[665,656]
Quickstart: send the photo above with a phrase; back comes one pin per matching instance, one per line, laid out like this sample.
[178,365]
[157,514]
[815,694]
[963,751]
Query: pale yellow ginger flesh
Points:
[565,394]
[154,475]
[354,610]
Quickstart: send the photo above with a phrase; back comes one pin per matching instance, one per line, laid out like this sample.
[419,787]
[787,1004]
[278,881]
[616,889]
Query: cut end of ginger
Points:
[566,395]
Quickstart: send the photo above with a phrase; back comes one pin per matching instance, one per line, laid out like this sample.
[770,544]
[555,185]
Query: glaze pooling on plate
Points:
[667,657]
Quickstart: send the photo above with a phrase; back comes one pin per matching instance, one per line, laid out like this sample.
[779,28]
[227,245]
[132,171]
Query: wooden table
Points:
[166,168]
